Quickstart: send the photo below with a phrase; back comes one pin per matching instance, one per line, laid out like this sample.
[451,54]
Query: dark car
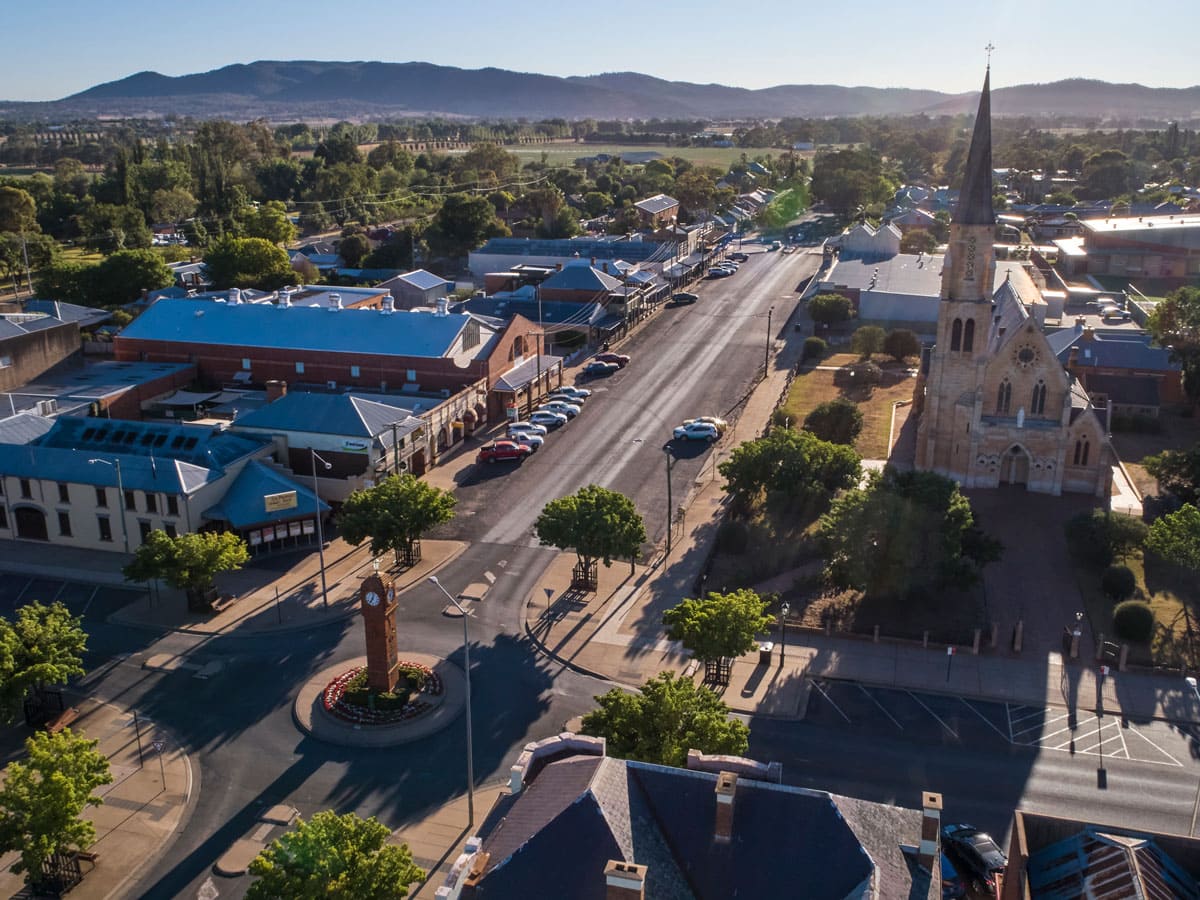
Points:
[719,273]
[977,855]
[503,450]
[619,358]
[682,298]
[599,368]
[739,256]
[954,886]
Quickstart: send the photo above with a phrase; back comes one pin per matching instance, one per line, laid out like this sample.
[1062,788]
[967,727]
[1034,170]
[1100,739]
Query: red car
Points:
[502,451]
[619,358]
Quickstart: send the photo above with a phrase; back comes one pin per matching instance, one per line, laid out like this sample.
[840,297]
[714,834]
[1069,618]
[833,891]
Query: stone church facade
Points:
[995,404]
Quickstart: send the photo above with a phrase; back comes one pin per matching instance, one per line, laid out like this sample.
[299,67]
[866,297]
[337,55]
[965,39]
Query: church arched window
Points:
[1038,406]
[956,336]
[968,336]
[1004,397]
[1081,452]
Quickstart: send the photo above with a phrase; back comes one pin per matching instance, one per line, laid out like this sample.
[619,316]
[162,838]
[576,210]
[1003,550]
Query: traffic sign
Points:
[159,746]
[950,651]
[1104,670]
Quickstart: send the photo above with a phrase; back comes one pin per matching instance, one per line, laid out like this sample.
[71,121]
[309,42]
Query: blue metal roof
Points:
[581,277]
[309,328]
[1119,350]
[142,473]
[347,415]
[194,444]
[635,251]
[243,505]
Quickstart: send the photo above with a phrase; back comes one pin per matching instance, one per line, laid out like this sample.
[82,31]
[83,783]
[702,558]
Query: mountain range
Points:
[341,90]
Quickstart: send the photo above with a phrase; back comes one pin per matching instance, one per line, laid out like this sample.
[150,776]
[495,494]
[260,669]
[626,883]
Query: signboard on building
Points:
[281,501]
[355,446]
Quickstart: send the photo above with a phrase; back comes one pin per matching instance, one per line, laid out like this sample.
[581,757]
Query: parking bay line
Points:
[935,715]
[986,719]
[821,690]
[880,705]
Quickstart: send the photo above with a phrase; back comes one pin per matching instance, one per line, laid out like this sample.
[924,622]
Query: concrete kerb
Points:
[310,716]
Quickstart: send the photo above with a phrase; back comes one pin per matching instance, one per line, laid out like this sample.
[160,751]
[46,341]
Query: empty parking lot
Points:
[92,601]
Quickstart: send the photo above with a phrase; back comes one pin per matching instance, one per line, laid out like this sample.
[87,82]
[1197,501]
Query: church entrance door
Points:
[1016,465]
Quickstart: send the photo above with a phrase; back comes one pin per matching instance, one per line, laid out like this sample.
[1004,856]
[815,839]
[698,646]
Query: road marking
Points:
[87,605]
[490,577]
[208,890]
[22,594]
[1171,759]
[1008,715]
[880,705]
[830,699]
[1029,715]
[982,716]
[58,592]
[935,715]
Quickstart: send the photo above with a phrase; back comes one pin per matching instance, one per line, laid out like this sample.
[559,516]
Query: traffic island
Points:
[323,710]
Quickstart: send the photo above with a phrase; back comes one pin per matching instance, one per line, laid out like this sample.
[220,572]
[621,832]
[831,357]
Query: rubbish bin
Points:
[764,653]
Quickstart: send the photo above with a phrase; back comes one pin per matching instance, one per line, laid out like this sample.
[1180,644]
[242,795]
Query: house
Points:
[1149,246]
[191,275]
[579,281]
[865,242]
[506,254]
[657,210]
[577,823]
[1131,368]
[419,288]
[912,219]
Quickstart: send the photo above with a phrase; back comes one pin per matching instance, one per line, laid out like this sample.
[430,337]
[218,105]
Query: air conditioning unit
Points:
[47,407]
[332,385]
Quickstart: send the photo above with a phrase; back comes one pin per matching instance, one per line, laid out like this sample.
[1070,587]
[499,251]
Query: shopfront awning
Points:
[519,376]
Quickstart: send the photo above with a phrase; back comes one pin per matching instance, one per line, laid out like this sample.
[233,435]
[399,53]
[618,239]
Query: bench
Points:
[223,602]
[62,720]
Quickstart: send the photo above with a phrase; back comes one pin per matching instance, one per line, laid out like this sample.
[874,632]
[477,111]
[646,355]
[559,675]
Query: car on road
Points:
[547,418]
[716,421]
[697,431]
[774,245]
[503,451]
[719,273]
[621,359]
[570,410]
[977,855]
[599,368]
[683,298]
[527,427]
[572,391]
[739,256]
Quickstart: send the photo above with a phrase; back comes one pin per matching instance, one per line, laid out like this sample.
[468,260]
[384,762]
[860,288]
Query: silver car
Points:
[570,410]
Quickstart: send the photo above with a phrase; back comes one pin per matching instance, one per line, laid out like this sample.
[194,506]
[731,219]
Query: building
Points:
[418,288]
[1127,366]
[32,343]
[1152,246]
[506,254]
[657,210]
[577,823]
[117,390]
[579,281]
[995,404]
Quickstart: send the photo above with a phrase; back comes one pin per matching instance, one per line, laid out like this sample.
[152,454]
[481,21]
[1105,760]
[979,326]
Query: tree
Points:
[796,470]
[838,421]
[667,717]
[188,562]
[122,277]
[332,857]
[42,798]
[462,224]
[867,341]
[597,203]
[171,205]
[1175,322]
[18,210]
[1175,538]
[354,249]
[901,343]
[849,179]
[1177,472]
[829,309]
[598,524]
[271,223]
[1098,537]
[918,240]
[719,626]
[394,514]
[248,263]
[41,647]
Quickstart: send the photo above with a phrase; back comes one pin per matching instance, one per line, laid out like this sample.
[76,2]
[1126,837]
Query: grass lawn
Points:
[1178,433]
[950,617]
[81,255]
[814,387]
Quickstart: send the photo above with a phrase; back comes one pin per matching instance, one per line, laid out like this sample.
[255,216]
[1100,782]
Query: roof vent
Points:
[441,307]
[335,302]
[388,306]
[235,296]
[285,298]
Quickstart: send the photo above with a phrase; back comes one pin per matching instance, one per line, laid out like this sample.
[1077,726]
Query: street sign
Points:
[279,502]
[950,651]
[1104,670]
[159,746]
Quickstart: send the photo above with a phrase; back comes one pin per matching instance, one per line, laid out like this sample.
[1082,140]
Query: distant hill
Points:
[299,89]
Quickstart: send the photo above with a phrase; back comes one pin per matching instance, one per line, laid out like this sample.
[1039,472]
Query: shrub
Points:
[860,374]
[1096,538]
[867,341]
[732,538]
[1118,582]
[358,694]
[814,348]
[1133,620]
[901,343]
[838,421]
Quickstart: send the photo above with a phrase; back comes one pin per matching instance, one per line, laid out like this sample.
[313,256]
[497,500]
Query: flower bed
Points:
[336,703]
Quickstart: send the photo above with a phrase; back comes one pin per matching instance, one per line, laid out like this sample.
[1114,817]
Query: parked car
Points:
[954,886]
[534,441]
[719,273]
[572,391]
[774,245]
[728,264]
[739,256]
[599,368]
[697,431]
[527,427]
[619,358]
[570,410]
[716,421]
[977,854]
[682,298]
[567,397]
[547,418]
[503,451]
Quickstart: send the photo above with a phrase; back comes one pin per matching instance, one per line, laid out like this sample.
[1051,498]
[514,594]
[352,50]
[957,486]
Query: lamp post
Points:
[767,348]
[670,504]
[467,663]
[116,464]
[320,529]
[783,614]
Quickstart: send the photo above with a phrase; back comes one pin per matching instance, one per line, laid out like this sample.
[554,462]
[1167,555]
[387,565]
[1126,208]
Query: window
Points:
[299,368]
[64,524]
[956,336]
[969,336]
[145,529]
[169,528]
[172,505]
[1039,399]
[105,529]
[64,495]
[355,371]
[1004,397]
[151,502]
[246,364]
[410,375]
[1081,452]
[130,503]
[3,517]
[26,490]
[101,497]
[5,362]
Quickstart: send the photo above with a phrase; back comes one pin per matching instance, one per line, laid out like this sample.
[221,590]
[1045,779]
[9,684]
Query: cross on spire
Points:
[988,49]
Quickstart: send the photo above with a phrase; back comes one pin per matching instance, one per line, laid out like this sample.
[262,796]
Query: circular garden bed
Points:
[347,697]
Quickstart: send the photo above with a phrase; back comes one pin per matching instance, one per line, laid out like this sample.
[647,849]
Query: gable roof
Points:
[580,276]
[657,204]
[1094,863]
[86,316]
[23,428]
[1127,350]
[142,473]
[243,505]
[423,280]
[348,415]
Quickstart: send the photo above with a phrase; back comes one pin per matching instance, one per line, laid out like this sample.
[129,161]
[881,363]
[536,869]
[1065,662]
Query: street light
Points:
[467,662]
[670,505]
[116,464]
[320,531]
[783,613]
[767,349]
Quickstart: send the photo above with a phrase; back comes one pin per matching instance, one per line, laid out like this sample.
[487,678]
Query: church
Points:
[996,406]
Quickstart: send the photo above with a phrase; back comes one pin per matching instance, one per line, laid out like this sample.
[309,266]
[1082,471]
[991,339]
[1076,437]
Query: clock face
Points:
[372,598]
[1027,355]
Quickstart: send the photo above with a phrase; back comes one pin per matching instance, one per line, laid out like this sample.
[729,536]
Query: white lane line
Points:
[935,715]
[1040,726]
[1124,746]
[61,588]
[1008,715]
[880,705]
[1028,715]
[982,716]
[87,605]
[820,689]
[489,577]
[1052,734]
[1171,760]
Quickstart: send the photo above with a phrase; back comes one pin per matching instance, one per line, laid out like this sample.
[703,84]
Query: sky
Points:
[57,47]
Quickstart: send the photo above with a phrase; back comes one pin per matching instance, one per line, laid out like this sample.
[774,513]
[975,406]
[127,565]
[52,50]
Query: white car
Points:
[716,421]
[572,391]
[697,431]
[548,419]
[527,427]
[570,410]
[531,440]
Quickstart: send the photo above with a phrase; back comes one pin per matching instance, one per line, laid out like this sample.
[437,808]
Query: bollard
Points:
[975,645]
[1100,646]
[1124,658]
[925,640]
[1018,635]
[995,636]
[876,638]
[1075,636]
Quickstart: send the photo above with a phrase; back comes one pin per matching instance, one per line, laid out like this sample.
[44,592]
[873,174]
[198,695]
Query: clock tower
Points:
[377,598]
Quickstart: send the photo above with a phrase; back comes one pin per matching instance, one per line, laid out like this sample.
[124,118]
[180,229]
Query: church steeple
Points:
[975,198]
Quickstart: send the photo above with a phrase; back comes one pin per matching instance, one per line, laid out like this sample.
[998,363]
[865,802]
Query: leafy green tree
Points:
[901,343]
[667,717]
[332,857]
[394,514]
[171,204]
[1177,472]
[338,148]
[829,309]
[63,280]
[116,227]
[598,524]
[41,647]
[122,276]
[867,341]
[247,263]
[188,562]
[1175,322]
[796,470]
[597,203]
[392,155]
[838,421]
[18,210]
[719,626]
[463,223]
[918,240]
[354,249]
[1175,538]
[849,179]
[270,222]
[40,249]
[42,799]
[563,224]
[1098,537]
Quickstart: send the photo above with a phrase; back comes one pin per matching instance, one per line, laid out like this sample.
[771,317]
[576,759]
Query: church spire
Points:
[975,198]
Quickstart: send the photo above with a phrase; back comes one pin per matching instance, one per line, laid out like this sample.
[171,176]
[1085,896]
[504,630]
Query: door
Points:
[31,524]
[1016,466]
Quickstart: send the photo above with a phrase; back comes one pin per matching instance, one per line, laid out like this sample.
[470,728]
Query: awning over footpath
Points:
[518,377]
[244,504]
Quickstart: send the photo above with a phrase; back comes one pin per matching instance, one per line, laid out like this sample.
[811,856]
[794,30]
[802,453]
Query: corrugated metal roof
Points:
[1103,866]
[23,428]
[581,277]
[243,505]
[423,280]
[137,472]
[656,204]
[351,415]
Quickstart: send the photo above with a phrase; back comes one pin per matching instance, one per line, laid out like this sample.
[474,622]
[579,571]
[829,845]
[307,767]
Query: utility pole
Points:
[670,503]
[767,349]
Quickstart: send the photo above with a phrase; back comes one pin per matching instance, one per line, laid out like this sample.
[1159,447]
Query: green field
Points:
[566,152]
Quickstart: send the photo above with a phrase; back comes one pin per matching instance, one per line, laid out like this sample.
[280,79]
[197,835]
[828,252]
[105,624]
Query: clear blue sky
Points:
[57,47]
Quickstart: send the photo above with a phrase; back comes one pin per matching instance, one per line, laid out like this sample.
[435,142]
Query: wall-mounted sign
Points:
[281,501]
[355,446]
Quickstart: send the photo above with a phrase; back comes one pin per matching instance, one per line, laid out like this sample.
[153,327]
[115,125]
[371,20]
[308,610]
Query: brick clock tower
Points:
[378,601]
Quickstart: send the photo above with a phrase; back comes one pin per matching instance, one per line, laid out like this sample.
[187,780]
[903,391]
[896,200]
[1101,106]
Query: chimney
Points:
[1089,334]
[275,390]
[931,825]
[624,881]
[726,788]
[1073,359]
[335,302]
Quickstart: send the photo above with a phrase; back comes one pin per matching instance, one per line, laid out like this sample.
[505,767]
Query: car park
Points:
[525,427]
[697,431]
[975,853]
[600,368]
[682,298]
[716,421]
[572,391]
[620,359]
[503,451]
[570,410]
[548,419]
